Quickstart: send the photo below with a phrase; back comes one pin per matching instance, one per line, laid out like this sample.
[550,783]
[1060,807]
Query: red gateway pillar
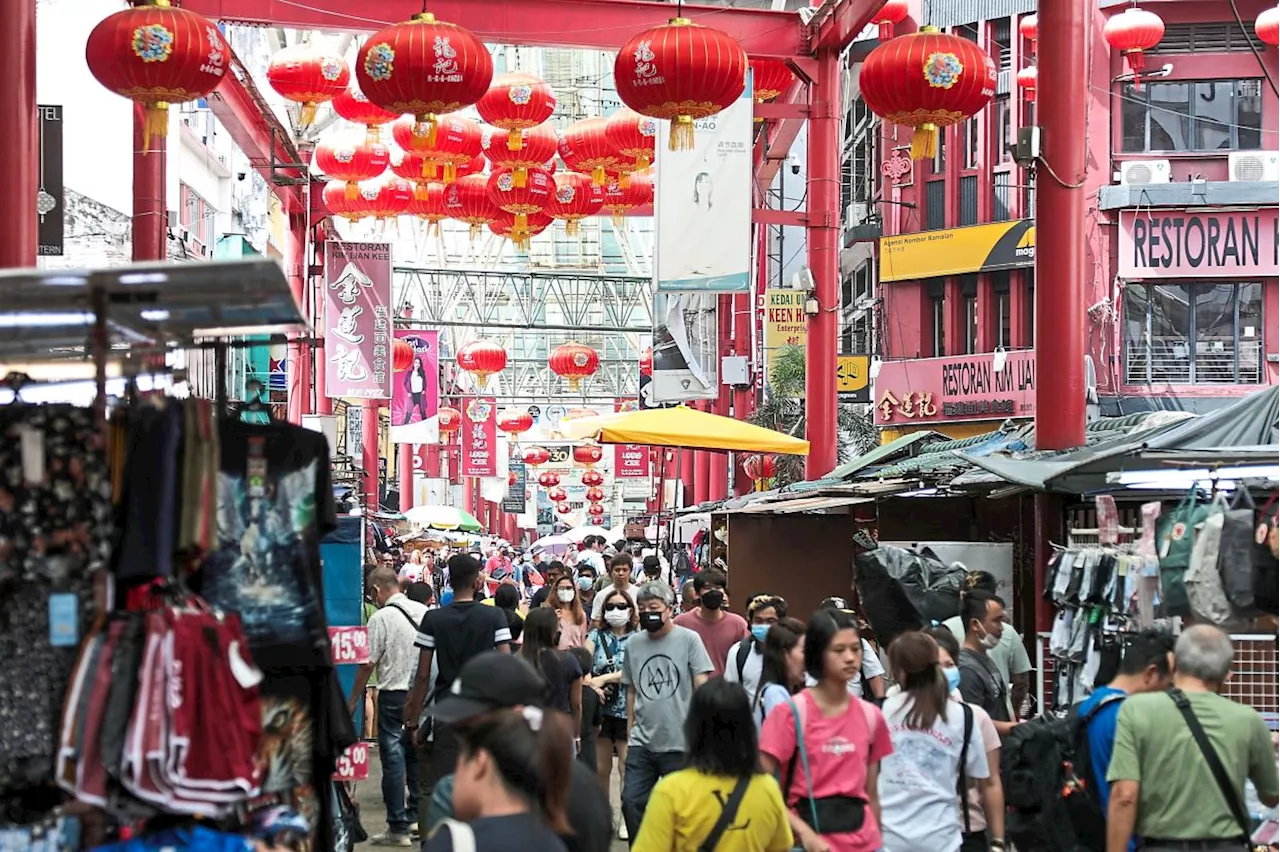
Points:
[150,230]
[369,453]
[19,147]
[295,269]
[404,466]
[1060,314]
[823,233]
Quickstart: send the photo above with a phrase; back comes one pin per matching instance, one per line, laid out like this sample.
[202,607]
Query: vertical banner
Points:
[784,324]
[49,200]
[630,461]
[479,437]
[357,325]
[702,206]
[517,485]
[415,390]
[685,348]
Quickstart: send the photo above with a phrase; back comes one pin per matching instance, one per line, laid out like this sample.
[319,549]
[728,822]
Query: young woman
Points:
[723,759]
[831,778]
[567,603]
[561,670]
[782,672]
[512,783]
[415,382]
[935,741]
[608,647]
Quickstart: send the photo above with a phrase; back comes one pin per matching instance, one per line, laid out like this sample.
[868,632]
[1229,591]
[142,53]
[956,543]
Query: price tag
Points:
[353,764]
[350,645]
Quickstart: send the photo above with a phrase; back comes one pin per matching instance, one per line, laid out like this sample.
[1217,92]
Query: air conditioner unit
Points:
[1254,166]
[1141,172]
[854,215]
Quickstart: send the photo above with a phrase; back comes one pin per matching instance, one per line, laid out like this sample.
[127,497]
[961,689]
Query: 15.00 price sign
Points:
[350,645]
[353,764]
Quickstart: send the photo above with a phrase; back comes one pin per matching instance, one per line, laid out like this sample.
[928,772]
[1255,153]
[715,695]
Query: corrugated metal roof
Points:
[915,440]
[951,13]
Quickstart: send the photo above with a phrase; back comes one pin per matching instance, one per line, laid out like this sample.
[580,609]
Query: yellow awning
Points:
[684,427]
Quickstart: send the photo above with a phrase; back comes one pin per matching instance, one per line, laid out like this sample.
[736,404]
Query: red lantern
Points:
[563,508]
[539,146]
[535,456]
[516,102]
[772,77]
[927,80]
[633,137]
[1029,28]
[428,203]
[505,225]
[467,200]
[521,200]
[891,13]
[646,361]
[515,421]
[596,521]
[401,355]
[1267,26]
[595,510]
[455,141]
[448,419]
[1027,78]
[587,454]
[680,71]
[156,55]
[424,67]
[575,198]
[759,467]
[584,147]
[1133,31]
[592,478]
[620,200]
[474,166]
[406,165]
[595,495]
[574,362]
[384,198]
[548,479]
[557,494]
[351,159]
[335,196]
[308,77]
[352,105]
[482,358]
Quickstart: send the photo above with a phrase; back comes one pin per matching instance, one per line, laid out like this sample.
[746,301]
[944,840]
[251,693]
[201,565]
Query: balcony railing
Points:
[1168,361]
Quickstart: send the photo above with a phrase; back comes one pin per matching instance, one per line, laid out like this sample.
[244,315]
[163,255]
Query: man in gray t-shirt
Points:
[662,668]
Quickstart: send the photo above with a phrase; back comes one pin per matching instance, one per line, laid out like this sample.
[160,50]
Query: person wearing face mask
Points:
[745,659]
[661,669]
[587,589]
[620,572]
[980,680]
[782,674]
[608,647]
[568,607]
[718,628]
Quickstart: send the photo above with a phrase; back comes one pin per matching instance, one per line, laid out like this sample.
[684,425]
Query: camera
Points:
[794,162]
[241,175]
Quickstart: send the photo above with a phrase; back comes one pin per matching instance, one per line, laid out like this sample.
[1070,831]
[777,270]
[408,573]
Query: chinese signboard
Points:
[50,197]
[1198,243]
[415,391]
[853,379]
[479,437]
[957,251]
[357,330]
[784,323]
[948,390]
[630,461]
[517,485]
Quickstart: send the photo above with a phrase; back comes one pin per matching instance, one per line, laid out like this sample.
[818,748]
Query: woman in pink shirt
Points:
[844,739]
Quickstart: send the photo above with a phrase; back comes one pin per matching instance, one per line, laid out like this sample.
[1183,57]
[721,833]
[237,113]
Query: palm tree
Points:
[783,410]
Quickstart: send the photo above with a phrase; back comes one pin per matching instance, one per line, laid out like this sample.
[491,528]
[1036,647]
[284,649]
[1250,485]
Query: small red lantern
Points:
[1029,28]
[1027,79]
[424,67]
[893,12]
[516,102]
[352,105]
[401,355]
[646,361]
[515,421]
[538,147]
[467,200]
[595,495]
[535,456]
[563,508]
[351,159]
[633,137]
[772,77]
[1133,31]
[759,467]
[548,479]
[584,147]
[575,198]
[592,478]
[336,200]
[620,200]
[505,225]
[575,362]
[449,419]
[680,71]
[428,203]
[384,198]
[406,165]
[927,80]
[482,358]
[308,77]
[595,510]
[521,200]
[455,141]
[1267,26]
[587,454]
[557,494]
[156,55]
[596,521]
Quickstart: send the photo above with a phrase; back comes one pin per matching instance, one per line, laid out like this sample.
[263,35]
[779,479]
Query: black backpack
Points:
[1049,788]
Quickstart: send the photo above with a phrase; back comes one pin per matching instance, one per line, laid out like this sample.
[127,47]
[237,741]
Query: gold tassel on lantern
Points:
[624,180]
[419,192]
[681,138]
[598,176]
[521,239]
[924,142]
[429,169]
[522,221]
[521,177]
[155,123]
[352,191]
[426,126]
[575,383]
[474,231]
[515,140]
[571,228]
[372,134]
[619,217]
[307,114]
[450,172]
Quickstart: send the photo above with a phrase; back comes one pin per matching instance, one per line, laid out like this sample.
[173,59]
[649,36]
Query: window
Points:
[936,291]
[1031,307]
[1002,129]
[969,304]
[1189,115]
[969,136]
[1199,333]
[935,205]
[1001,191]
[940,155]
[193,216]
[1000,44]
[969,200]
[856,317]
[1002,320]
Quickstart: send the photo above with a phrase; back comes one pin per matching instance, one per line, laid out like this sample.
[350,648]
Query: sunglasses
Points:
[617,607]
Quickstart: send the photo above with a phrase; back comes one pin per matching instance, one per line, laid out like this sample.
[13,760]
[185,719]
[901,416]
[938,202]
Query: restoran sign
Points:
[1203,243]
[951,390]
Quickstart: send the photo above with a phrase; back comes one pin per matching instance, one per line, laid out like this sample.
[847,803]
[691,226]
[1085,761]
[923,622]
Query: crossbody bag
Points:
[727,815]
[962,785]
[832,814]
[610,690]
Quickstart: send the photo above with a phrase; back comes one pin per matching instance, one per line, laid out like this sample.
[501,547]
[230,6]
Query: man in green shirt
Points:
[1162,788]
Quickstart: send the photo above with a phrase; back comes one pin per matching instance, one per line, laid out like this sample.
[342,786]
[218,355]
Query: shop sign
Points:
[517,486]
[958,251]
[853,381]
[357,326]
[948,390]
[784,323]
[630,461]
[353,763]
[479,437]
[1199,244]
[49,200]
[350,645]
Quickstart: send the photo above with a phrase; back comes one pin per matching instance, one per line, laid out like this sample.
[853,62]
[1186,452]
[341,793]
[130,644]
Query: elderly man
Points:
[1181,758]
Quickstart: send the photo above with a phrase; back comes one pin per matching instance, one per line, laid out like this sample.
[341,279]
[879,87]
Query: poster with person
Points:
[685,348]
[415,388]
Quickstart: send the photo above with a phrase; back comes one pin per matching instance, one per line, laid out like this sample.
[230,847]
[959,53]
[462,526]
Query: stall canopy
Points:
[684,427]
[442,518]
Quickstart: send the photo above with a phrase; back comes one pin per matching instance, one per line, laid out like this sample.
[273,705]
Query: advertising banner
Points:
[958,251]
[685,349]
[357,326]
[949,390]
[784,324]
[49,199]
[630,461]
[517,483]
[415,391]
[1203,243]
[479,436]
[702,205]
[853,378]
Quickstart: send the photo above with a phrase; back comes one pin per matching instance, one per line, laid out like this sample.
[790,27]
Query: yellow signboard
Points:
[958,251]
[784,323]
[853,380]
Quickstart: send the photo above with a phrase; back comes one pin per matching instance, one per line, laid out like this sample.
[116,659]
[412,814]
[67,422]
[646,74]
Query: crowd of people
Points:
[503,715]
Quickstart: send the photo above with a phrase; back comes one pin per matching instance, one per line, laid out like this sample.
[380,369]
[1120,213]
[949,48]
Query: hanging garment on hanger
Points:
[150,504]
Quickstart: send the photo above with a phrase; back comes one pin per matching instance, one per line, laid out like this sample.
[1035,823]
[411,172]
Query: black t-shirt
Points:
[275,503]
[502,834]
[591,718]
[560,669]
[981,684]
[458,632]
[540,597]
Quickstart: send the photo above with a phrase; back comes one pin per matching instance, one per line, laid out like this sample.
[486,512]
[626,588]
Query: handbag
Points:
[727,815]
[1175,531]
[804,764]
[462,835]
[1202,580]
[1236,552]
[610,690]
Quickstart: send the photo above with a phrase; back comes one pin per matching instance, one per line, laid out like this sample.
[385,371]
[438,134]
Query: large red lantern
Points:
[521,200]
[406,165]
[384,198]
[474,166]
[352,159]
[563,508]
[1133,31]
[448,419]
[575,198]
[592,478]
[759,467]
[548,479]
[428,203]
[595,495]
[772,77]
[424,67]
[520,233]
[1029,28]
[595,510]
[482,358]
[352,105]
[584,147]
[538,148]
[155,55]
[646,361]
[401,355]
[557,494]
[587,454]
[893,12]
[927,80]
[633,137]
[516,102]
[575,362]
[467,200]
[455,141]
[336,199]
[536,456]
[680,71]
[1267,26]
[308,77]
[1027,79]
[620,200]
[515,421]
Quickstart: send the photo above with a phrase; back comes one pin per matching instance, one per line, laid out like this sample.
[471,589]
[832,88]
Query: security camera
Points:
[794,162]
[241,175]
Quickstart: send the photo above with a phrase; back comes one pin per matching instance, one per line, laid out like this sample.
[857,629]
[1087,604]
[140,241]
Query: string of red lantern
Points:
[771,77]
[351,105]
[619,199]
[448,419]
[575,198]
[1267,26]
[548,479]
[584,147]
[537,149]
[632,137]
[521,199]
[520,233]
[1131,32]
[467,200]
[515,421]
[592,478]
[1027,79]
[893,12]
[587,454]
[453,141]
[536,456]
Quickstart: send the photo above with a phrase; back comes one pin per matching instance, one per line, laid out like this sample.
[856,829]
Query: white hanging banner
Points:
[686,356]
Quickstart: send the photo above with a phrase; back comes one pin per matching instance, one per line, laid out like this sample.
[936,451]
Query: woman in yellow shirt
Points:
[724,753]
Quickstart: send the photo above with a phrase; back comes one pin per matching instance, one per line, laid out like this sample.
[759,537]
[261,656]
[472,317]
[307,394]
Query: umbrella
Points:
[684,427]
[552,543]
[442,518]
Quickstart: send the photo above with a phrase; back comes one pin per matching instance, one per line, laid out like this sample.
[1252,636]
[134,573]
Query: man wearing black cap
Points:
[496,681]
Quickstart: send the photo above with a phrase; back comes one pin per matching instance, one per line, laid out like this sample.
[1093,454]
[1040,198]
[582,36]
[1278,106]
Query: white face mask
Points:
[989,640]
[616,617]
[564,595]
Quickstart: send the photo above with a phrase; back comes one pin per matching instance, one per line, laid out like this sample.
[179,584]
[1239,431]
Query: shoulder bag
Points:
[610,690]
[962,784]
[727,815]
[464,839]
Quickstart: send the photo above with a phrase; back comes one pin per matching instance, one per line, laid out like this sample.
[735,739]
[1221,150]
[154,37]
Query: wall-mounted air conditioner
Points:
[855,214]
[1254,166]
[1142,172]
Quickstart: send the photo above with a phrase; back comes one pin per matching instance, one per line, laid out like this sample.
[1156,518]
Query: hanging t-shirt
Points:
[275,503]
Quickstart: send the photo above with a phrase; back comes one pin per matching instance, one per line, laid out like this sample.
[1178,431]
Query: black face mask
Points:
[713,599]
[651,621]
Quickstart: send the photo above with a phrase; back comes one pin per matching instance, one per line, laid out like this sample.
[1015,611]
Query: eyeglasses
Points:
[616,607]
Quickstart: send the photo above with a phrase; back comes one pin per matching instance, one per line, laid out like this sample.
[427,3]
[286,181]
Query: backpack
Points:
[1049,788]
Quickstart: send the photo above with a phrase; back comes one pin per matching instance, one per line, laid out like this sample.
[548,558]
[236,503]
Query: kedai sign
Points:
[1199,243]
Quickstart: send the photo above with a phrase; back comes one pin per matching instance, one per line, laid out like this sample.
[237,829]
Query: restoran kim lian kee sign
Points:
[943,390]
